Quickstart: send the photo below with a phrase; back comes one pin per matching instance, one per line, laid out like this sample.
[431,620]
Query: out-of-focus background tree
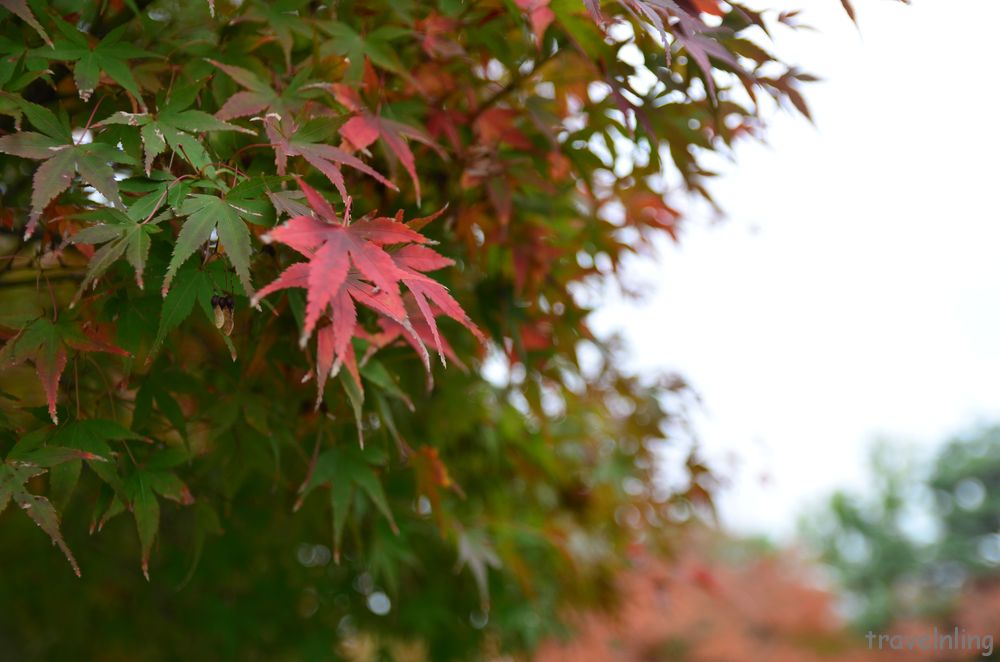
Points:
[924,543]
[916,555]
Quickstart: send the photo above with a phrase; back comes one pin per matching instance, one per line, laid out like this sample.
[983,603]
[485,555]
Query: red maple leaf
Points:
[418,335]
[366,127]
[348,265]
[428,294]
[325,158]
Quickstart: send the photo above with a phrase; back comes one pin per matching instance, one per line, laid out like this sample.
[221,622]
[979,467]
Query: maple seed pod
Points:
[220,318]
[223,306]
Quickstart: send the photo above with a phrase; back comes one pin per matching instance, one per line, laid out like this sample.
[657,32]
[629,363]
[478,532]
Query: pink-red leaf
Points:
[325,158]
[347,264]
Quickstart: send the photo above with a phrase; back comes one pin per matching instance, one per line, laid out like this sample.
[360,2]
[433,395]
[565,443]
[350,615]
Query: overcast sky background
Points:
[854,290]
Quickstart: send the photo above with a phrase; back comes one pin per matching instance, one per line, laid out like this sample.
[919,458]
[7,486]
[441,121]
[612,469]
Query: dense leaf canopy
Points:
[411,205]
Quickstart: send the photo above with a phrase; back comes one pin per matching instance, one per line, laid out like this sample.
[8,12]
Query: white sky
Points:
[854,290]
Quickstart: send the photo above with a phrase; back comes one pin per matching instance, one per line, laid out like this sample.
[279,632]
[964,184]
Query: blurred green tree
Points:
[923,532]
[966,485]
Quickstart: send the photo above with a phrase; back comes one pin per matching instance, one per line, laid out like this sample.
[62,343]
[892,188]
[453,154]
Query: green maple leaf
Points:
[109,55]
[284,20]
[122,234]
[62,159]
[88,438]
[376,46]
[141,489]
[192,286]
[31,457]
[206,214]
[346,469]
[173,125]
[18,69]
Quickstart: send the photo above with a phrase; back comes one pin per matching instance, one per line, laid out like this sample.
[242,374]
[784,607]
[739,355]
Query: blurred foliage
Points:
[153,419]
[921,537]
[721,599]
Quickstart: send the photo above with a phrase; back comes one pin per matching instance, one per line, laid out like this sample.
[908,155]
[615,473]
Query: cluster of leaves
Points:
[163,157]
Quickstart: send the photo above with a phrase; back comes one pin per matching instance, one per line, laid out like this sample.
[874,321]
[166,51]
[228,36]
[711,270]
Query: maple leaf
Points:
[141,489]
[62,158]
[365,128]
[258,97]
[284,19]
[289,203]
[122,234]
[14,476]
[45,344]
[691,33]
[225,217]
[334,248]
[87,440]
[430,296]
[418,335]
[332,352]
[376,46]
[110,55]
[173,126]
[21,10]
[347,265]
[288,140]
[346,469]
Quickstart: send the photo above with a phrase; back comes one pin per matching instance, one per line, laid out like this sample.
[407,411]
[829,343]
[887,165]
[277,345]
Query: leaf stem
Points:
[90,120]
